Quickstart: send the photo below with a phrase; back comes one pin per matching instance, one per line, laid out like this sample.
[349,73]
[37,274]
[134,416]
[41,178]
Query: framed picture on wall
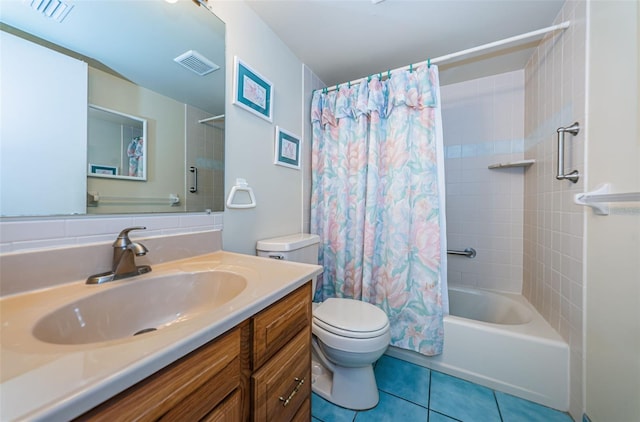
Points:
[287,149]
[252,91]
[100,170]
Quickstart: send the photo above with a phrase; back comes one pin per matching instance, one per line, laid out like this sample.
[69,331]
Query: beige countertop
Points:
[45,381]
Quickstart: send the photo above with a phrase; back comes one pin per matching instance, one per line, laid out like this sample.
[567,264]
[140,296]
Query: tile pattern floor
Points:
[411,393]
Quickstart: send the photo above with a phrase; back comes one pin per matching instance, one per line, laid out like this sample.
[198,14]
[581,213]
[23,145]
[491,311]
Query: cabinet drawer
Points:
[202,401]
[283,384]
[229,410]
[304,413]
[276,325]
[156,395]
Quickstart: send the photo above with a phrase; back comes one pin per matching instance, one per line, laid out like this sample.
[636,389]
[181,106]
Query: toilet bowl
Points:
[348,335]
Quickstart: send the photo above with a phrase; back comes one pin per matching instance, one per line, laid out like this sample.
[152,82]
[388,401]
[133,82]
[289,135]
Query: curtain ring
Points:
[389,74]
[429,63]
[380,76]
[410,67]
[369,78]
[349,84]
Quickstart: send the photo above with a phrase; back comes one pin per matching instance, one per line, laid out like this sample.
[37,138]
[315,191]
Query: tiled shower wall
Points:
[205,151]
[483,124]
[553,224]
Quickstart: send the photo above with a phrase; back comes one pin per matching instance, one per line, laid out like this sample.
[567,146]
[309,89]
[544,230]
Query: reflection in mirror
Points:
[116,145]
[128,50]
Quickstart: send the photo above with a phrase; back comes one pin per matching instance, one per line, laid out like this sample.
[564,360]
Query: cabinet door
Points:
[282,385]
[276,325]
[193,385]
[228,411]
[304,413]
[201,402]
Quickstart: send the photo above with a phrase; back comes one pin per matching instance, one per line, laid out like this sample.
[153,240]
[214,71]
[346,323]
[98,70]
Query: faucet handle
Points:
[123,238]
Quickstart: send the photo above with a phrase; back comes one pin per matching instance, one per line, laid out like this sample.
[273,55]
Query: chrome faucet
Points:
[123,264]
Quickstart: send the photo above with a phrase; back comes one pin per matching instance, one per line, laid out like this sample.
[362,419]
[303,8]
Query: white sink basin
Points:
[138,306]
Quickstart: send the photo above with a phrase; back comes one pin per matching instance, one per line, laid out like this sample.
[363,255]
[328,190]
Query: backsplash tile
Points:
[19,235]
[44,267]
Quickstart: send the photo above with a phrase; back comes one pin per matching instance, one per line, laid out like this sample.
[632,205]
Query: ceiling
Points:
[349,39]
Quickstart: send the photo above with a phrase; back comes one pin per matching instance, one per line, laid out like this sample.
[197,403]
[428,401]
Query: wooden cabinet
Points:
[188,389]
[275,326]
[282,384]
[281,380]
[260,370]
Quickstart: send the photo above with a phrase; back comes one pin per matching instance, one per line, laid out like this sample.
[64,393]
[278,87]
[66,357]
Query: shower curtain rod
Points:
[563,25]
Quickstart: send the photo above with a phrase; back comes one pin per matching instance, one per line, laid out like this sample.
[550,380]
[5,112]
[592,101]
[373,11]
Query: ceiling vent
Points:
[54,9]
[196,62]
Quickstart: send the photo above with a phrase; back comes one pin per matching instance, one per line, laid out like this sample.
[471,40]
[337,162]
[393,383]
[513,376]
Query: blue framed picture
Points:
[100,170]
[252,91]
[287,148]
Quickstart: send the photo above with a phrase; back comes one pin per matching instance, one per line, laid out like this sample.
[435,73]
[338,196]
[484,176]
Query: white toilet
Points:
[348,335]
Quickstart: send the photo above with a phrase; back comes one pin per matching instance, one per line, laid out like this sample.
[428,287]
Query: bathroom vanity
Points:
[259,371]
[244,358]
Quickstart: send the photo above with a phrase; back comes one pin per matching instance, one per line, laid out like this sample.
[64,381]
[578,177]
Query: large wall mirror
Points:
[115,103]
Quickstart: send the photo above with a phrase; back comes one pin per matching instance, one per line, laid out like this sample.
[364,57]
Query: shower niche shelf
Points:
[521,163]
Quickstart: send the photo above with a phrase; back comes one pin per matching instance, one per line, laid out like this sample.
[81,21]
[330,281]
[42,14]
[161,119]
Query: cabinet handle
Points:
[286,401]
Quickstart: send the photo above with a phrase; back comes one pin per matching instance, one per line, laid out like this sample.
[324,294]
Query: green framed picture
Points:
[287,149]
[252,91]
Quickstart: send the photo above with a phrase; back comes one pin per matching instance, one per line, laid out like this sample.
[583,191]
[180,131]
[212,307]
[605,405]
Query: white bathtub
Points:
[507,346]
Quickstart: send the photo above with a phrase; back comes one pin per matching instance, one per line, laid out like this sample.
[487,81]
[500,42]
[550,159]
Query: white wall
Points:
[483,124]
[613,242]
[250,139]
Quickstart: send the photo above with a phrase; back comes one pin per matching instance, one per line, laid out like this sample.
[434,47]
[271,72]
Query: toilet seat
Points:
[350,318]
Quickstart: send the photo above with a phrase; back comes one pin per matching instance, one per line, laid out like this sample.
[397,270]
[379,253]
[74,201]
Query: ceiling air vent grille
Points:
[54,9]
[196,62]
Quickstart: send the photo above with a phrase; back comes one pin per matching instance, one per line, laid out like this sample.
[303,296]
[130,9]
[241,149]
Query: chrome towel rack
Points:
[94,199]
[468,252]
[574,129]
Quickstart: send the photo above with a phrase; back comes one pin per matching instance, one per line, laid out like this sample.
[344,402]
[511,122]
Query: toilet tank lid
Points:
[287,243]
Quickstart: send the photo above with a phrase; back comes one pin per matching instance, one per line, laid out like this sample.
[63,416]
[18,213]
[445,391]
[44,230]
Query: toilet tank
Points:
[300,247]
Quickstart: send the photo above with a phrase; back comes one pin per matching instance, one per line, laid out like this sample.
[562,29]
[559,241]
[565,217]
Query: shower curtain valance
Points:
[414,89]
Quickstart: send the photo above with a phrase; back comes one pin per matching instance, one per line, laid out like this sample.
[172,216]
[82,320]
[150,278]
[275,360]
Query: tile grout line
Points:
[403,399]
[429,396]
[495,398]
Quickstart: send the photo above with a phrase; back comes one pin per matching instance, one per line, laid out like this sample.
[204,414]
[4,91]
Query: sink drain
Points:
[146,330]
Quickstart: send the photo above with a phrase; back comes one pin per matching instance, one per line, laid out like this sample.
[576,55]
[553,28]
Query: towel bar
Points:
[574,175]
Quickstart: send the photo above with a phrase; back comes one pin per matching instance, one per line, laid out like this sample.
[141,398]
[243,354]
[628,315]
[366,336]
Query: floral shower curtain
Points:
[378,201]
